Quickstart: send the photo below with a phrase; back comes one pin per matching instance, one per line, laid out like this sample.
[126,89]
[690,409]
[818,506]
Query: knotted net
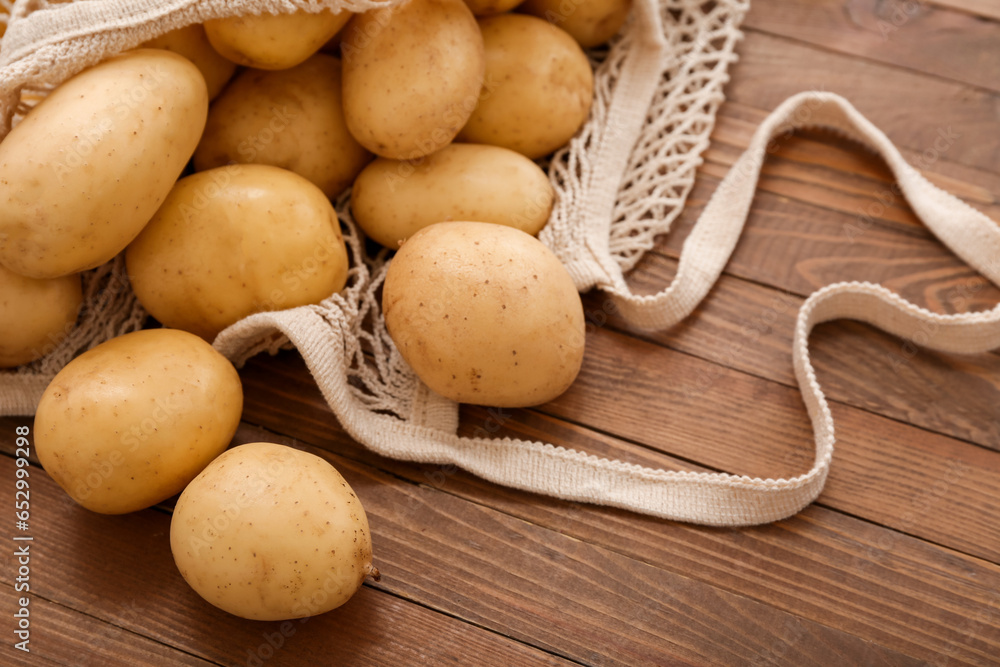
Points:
[657,88]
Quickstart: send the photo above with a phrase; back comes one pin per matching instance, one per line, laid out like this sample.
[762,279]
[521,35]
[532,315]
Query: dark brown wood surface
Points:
[897,563]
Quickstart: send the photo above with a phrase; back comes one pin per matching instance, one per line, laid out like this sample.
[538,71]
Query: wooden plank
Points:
[912,109]
[985,8]
[119,569]
[823,170]
[869,573]
[762,430]
[281,386]
[530,583]
[748,326]
[843,160]
[731,421]
[823,564]
[798,248]
[911,35]
[61,636]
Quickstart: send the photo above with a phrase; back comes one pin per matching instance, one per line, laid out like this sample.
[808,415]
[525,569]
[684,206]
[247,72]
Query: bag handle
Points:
[967,232]
[716,499]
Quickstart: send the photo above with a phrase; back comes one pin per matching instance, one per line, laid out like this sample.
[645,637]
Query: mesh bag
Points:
[620,182]
[657,88]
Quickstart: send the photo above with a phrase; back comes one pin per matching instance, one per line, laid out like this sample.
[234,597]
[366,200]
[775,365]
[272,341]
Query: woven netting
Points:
[621,181]
[657,88]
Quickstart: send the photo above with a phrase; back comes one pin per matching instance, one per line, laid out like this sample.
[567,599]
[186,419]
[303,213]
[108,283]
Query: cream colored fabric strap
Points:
[706,498]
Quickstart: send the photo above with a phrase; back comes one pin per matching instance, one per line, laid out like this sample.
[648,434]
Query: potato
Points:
[35,315]
[484,314]
[274,41]
[412,74]
[233,241]
[292,119]
[269,533]
[192,43]
[130,422]
[88,167]
[542,87]
[490,7]
[392,200]
[589,22]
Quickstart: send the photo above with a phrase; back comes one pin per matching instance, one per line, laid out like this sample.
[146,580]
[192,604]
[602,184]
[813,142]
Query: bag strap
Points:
[967,232]
[717,499]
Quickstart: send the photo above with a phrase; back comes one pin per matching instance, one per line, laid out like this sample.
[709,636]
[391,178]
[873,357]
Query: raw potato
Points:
[412,75]
[88,167]
[292,119]
[270,533]
[484,314]
[274,41]
[129,423]
[233,241]
[392,200]
[192,43]
[35,315]
[589,22]
[490,7]
[538,87]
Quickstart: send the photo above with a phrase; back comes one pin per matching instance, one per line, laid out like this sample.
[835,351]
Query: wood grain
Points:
[916,35]
[119,569]
[748,326]
[820,247]
[981,8]
[573,599]
[657,397]
[692,551]
[909,107]
[821,170]
[897,564]
[762,430]
[61,636]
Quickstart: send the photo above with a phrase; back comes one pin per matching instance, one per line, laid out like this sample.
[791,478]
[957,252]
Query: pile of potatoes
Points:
[210,157]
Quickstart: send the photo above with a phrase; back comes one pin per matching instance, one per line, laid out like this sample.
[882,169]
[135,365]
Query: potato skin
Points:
[129,423]
[412,75]
[35,315]
[484,314]
[491,7]
[192,43]
[273,41]
[269,533]
[392,199]
[589,22]
[88,167]
[292,119]
[233,241]
[538,87]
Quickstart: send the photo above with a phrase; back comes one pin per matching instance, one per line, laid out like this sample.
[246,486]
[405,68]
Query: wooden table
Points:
[897,563]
